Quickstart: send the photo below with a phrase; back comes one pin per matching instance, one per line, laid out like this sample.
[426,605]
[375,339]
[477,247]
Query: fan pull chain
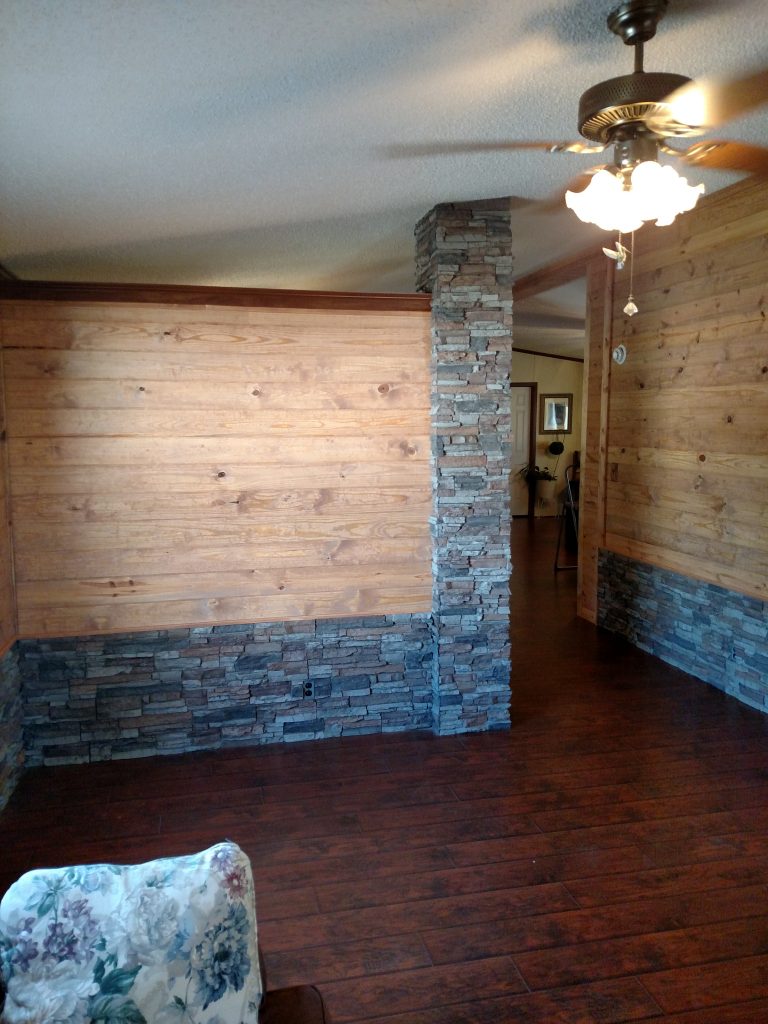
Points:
[619,254]
[631,308]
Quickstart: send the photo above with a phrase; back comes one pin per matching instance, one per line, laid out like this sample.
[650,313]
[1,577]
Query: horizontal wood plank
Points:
[110,452]
[101,556]
[93,330]
[324,535]
[245,396]
[312,364]
[737,466]
[217,476]
[100,617]
[213,503]
[183,423]
[249,584]
[713,518]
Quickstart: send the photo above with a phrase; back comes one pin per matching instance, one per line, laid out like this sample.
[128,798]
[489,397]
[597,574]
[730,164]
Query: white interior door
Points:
[521,438]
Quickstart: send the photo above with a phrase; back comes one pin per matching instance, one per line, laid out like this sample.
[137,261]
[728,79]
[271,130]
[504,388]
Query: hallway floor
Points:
[605,860]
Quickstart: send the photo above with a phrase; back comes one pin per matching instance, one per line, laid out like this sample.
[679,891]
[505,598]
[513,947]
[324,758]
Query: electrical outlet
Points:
[309,688]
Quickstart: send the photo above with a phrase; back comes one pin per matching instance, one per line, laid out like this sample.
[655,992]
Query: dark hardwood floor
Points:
[606,860]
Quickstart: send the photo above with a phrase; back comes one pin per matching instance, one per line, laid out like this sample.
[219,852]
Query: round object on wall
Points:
[556,448]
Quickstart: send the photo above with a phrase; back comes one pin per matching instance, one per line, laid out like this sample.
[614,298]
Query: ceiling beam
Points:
[563,271]
[550,321]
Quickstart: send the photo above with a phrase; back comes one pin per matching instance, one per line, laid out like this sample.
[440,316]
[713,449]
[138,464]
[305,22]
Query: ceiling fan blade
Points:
[694,108]
[446,148]
[556,203]
[727,156]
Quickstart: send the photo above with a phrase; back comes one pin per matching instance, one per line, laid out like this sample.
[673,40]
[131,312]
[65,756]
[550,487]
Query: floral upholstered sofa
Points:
[172,941]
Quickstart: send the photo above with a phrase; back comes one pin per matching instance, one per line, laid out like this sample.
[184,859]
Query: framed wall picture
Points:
[556,414]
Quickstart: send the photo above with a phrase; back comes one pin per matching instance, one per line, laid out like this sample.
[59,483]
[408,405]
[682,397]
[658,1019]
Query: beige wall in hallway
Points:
[553,377]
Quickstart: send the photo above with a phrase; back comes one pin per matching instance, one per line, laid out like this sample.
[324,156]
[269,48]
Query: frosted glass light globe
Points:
[652,192]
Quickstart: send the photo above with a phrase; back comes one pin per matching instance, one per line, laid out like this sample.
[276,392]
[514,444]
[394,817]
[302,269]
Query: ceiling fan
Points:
[638,114]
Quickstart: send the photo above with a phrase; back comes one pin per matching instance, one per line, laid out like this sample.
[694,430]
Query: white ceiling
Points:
[245,142]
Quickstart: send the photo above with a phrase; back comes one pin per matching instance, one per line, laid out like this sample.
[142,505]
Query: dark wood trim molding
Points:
[202,295]
[545,355]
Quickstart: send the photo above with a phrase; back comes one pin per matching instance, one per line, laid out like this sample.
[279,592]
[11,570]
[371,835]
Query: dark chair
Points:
[568,528]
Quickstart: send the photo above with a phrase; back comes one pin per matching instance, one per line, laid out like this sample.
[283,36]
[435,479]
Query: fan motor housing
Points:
[628,99]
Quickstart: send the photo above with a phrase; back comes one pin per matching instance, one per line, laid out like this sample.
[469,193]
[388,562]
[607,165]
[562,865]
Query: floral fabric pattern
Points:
[172,941]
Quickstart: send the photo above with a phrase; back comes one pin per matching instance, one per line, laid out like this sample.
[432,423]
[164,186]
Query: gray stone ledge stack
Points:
[11,725]
[464,258]
[102,698]
[712,633]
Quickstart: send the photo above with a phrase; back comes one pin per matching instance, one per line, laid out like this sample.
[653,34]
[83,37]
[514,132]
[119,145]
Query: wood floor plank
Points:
[401,991]
[571,928]
[708,985]
[327,871]
[684,833]
[705,848]
[672,785]
[359,848]
[636,954]
[456,810]
[751,1012]
[382,955]
[614,1002]
[402,918]
[348,895]
[705,877]
[710,802]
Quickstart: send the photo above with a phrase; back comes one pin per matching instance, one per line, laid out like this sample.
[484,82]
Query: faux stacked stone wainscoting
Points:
[710,632]
[11,725]
[99,698]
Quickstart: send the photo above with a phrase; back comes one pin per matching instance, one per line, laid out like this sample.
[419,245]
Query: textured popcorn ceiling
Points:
[243,142]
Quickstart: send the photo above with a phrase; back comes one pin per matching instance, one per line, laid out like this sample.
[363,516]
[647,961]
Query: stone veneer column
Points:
[464,258]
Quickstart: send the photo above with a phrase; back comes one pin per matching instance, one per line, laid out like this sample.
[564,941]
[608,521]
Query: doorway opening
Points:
[524,401]
[548,367]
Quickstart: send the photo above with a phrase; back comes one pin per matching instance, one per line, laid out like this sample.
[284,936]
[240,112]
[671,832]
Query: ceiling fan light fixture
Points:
[605,202]
[660,193]
[624,201]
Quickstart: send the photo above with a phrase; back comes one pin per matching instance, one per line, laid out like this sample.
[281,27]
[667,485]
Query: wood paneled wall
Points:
[191,464]
[594,427]
[685,477]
